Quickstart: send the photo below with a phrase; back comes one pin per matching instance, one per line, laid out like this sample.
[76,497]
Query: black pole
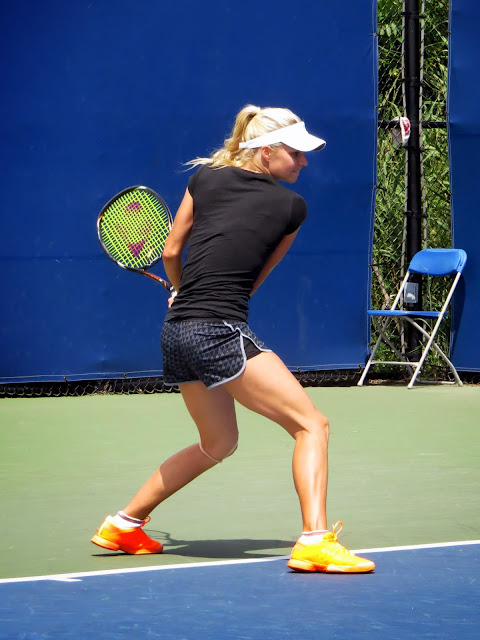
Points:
[413,186]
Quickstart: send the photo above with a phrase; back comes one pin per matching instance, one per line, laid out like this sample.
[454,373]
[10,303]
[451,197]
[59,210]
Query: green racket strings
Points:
[134,229]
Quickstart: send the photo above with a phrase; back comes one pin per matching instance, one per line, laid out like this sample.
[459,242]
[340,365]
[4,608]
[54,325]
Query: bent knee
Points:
[219,451]
[317,425]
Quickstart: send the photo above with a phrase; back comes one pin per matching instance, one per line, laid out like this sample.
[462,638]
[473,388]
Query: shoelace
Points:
[332,536]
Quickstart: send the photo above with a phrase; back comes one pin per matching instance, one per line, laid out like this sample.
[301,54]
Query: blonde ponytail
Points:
[250,123]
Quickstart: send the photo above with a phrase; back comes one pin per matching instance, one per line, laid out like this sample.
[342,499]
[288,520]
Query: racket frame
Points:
[142,270]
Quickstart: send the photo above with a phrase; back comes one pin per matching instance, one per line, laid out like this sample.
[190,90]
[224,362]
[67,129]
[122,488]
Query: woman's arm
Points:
[276,257]
[177,240]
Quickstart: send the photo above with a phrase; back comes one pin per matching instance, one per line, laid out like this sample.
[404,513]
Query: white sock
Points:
[312,537]
[122,521]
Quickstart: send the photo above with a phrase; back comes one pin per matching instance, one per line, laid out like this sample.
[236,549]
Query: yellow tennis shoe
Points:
[133,541]
[328,556]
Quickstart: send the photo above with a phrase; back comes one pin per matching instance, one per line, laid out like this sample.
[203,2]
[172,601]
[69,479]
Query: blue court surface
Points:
[416,592]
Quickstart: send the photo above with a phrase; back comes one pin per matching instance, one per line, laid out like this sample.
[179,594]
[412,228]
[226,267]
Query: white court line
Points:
[76,577]
[409,547]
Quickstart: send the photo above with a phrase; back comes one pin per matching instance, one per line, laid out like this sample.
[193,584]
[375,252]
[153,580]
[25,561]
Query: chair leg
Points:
[368,365]
[431,343]
[431,337]
[452,368]
[450,364]
[372,355]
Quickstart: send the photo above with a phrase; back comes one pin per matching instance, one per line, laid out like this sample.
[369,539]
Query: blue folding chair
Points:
[431,263]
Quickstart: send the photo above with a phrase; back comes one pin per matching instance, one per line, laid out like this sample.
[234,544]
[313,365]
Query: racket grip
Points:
[173,293]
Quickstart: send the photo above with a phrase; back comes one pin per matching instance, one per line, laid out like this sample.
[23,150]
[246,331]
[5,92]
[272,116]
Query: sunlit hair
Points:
[251,122]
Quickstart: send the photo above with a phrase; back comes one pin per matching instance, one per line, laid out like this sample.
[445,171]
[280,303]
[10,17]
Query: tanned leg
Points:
[214,414]
[268,388]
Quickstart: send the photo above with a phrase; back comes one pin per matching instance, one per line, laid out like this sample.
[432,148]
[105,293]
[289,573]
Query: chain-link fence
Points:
[391,215]
[136,386]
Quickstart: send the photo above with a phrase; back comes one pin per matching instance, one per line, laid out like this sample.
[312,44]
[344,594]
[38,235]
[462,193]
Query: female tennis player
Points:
[239,223]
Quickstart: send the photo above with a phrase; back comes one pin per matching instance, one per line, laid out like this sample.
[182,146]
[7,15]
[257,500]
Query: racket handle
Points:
[169,287]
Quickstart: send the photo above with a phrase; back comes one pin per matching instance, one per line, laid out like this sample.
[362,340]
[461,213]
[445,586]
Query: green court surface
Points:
[404,469]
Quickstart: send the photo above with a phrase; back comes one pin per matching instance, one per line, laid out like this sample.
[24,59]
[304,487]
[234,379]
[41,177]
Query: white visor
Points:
[295,136]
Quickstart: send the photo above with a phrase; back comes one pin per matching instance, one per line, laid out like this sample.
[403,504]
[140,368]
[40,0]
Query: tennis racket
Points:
[133,227]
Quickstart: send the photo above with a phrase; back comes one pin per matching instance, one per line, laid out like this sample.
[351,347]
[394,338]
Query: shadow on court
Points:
[213,549]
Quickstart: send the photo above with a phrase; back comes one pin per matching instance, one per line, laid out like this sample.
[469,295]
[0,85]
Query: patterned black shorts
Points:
[207,351]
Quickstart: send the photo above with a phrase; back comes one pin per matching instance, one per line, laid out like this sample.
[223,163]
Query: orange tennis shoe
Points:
[328,556]
[133,541]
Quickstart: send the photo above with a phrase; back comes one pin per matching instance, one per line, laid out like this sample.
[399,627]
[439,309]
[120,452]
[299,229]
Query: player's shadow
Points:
[238,549]
[219,549]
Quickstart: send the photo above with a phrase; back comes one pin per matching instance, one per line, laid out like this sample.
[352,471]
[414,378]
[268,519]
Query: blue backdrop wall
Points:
[98,96]
[464,142]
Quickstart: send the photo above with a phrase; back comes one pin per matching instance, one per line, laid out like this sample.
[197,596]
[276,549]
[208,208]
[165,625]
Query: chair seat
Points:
[400,313]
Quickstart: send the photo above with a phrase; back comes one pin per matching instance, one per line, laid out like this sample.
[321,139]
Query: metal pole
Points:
[413,187]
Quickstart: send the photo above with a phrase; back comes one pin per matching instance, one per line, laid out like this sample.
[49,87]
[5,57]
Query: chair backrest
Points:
[438,262]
